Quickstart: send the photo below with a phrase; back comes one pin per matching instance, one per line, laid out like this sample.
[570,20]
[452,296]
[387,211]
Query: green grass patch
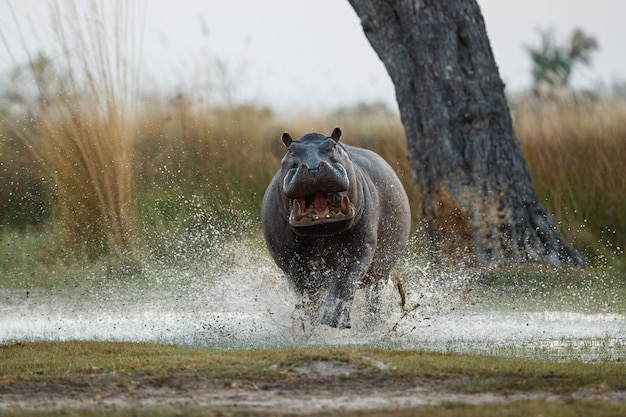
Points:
[48,361]
[123,368]
[543,288]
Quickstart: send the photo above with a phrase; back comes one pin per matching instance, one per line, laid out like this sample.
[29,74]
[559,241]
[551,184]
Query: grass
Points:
[575,149]
[594,290]
[75,121]
[112,367]
[185,153]
[49,361]
[224,159]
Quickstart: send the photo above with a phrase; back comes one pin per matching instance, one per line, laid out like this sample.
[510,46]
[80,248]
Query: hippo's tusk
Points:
[297,211]
[345,205]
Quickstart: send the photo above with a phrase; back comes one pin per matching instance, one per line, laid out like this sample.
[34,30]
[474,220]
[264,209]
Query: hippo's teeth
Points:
[297,211]
[345,205]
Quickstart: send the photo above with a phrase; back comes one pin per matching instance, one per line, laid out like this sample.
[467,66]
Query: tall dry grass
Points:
[188,148]
[575,148]
[77,120]
[192,163]
[121,171]
[200,167]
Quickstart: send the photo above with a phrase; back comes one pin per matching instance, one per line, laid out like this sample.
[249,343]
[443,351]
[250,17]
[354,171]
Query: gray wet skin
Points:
[334,216]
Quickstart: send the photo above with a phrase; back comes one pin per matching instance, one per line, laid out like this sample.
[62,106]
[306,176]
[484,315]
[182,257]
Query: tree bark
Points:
[477,201]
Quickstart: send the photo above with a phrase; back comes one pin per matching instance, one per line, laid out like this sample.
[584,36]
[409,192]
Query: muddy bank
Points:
[320,388]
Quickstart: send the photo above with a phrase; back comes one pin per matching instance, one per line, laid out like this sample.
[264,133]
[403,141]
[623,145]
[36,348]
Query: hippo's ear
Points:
[287,139]
[336,134]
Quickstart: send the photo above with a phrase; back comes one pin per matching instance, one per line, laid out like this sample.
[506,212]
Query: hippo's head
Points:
[316,180]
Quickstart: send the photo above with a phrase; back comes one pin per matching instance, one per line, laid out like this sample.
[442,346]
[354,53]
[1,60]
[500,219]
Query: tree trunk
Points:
[477,200]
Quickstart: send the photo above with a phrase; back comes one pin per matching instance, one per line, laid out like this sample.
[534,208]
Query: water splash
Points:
[235,296]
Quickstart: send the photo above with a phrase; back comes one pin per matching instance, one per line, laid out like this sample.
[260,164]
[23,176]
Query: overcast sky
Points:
[313,53]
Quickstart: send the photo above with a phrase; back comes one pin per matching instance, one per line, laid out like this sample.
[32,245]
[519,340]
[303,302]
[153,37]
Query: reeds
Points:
[121,171]
[77,124]
[187,153]
[188,149]
[575,148]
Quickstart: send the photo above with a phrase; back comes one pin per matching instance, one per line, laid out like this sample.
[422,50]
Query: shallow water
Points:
[249,303]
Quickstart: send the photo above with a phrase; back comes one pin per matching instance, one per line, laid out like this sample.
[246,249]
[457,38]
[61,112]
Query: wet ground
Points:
[318,390]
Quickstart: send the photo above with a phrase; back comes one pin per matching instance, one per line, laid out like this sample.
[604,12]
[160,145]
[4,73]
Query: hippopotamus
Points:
[334,217]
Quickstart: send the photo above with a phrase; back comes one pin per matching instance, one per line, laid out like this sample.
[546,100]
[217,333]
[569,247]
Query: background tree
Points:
[553,63]
[477,201]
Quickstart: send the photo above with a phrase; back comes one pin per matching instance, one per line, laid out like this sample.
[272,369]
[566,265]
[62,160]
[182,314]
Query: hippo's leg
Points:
[307,279]
[342,287]
[373,298]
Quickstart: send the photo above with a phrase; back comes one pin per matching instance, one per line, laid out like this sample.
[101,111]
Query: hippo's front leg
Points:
[342,288]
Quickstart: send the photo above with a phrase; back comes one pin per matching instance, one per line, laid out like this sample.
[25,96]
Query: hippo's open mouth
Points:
[319,209]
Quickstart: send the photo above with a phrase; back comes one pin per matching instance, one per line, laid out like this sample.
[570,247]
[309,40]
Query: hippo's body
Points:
[334,216]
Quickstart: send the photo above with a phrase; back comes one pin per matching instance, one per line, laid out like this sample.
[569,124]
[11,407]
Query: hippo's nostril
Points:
[322,164]
[303,167]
